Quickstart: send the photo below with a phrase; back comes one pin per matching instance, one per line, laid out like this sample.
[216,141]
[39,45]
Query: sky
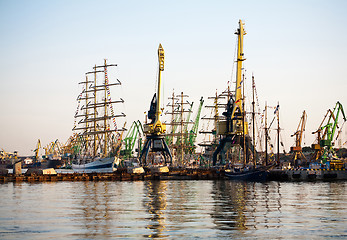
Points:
[296,50]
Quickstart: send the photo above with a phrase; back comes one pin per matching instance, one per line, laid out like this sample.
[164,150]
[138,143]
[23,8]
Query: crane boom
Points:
[238,94]
[339,109]
[194,130]
[156,127]
[326,143]
[297,149]
[331,126]
[38,146]
[161,57]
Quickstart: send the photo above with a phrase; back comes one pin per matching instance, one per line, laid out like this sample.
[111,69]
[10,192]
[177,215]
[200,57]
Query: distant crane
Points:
[194,131]
[53,150]
[297,149]
[318,150]
[134,134]
[36,151]
[155,130]
[330,127]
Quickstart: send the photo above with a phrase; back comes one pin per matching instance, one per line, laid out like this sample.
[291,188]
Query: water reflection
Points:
[155,202]
[173,210]
[265,199]
[245,206]
[185,207]
[230,204]
[94,203]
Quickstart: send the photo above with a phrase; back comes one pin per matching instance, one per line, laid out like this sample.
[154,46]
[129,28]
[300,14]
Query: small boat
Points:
[257,175]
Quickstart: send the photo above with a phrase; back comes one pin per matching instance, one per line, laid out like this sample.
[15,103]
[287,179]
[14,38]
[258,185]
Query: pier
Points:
[119,175]
[174,174]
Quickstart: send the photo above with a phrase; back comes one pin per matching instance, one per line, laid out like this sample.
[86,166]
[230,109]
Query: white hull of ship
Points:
[99,165]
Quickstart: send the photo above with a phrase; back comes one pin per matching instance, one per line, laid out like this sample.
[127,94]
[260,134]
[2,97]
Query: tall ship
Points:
[99,136]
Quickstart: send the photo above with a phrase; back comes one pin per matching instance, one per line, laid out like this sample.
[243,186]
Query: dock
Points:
[174,174]
[308,174]
[119,175]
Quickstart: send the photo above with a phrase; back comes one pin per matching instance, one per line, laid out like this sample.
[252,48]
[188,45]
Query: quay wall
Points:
[123,175]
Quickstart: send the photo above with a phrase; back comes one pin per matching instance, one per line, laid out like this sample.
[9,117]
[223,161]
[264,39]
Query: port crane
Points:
[234,129]
[53,149]
[36,150]
[134,134]
[318,150]
[7,155]
[297,149]
[330,128]
[155,130]
[194,131]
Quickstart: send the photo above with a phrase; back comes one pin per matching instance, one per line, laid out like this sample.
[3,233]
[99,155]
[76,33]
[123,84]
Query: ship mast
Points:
[278,133]
[96,132]
[105,111]
[253,120]
[105,104]
[94,122]
[243,123]
[266,137]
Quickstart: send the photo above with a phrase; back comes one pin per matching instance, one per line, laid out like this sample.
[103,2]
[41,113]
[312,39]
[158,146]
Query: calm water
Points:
[173,210]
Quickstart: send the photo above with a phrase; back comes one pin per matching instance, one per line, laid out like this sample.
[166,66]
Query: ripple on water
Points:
[173,209]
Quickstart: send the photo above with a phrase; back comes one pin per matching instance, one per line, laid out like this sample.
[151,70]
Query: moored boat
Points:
[245,174]
[109,164]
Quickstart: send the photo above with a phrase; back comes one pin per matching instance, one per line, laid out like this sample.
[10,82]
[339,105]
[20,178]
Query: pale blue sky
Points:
[296,49]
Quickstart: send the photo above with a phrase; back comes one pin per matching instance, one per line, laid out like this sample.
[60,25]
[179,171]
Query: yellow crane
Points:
[36,151]
[297,149]
[234,123]
[234,129]
[155,129]
[53,149]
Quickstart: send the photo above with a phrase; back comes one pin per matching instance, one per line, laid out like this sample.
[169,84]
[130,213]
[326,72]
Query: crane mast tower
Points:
[155,129]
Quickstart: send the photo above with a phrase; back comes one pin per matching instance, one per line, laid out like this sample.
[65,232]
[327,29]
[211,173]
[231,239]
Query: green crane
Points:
[330,128]
[193,132]
[135,133]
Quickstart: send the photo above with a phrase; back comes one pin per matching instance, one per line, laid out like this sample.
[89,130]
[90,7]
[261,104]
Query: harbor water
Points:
[173,210]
